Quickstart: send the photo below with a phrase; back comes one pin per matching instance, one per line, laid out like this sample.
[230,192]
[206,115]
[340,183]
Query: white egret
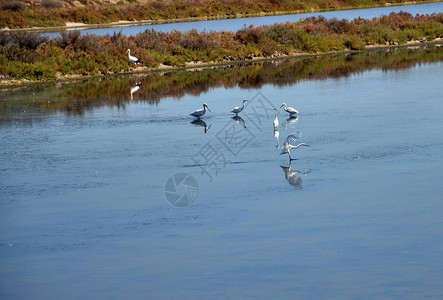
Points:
[200,112]
[132,59]
[288,145]
[290,110]
[276,119]
[236,110]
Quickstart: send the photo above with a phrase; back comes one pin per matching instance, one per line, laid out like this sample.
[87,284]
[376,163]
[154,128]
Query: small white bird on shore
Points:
[236,110]
[200,112]
[132,59]
[290,110]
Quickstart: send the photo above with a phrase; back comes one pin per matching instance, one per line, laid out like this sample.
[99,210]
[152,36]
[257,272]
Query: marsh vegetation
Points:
[32,57]
[50,13]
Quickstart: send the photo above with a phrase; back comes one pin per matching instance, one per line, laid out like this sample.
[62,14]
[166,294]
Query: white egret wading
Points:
[276,119]
[290,110]
[236,110]
[288,145]
[200,112]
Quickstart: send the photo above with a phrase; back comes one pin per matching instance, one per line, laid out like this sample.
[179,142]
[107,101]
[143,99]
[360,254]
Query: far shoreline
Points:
[6,84]
[70,26]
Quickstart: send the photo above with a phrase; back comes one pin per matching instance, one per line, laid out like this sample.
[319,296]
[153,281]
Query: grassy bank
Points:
[53,13]
[27,56]
[76,97]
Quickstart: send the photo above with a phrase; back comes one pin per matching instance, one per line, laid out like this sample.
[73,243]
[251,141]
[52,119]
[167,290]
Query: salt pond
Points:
[83,212]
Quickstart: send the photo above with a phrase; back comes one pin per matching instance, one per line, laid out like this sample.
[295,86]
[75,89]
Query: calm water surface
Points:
[236,24]
[83,213]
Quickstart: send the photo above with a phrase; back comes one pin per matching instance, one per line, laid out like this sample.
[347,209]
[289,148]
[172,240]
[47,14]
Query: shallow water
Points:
[239,23]
[83,212]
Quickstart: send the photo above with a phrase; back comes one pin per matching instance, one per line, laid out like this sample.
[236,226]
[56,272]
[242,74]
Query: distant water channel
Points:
[89,169]
[236,24]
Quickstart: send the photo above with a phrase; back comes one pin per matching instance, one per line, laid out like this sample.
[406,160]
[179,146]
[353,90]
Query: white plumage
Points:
[288,145]
[200,112]
[132,59]
[236,110]
[276,119]
[290,110]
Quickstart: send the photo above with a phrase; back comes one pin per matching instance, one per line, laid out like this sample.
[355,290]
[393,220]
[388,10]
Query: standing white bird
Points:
[200,112]
[276,119]
[236,110]
[290,110]
[132,59]
[288,145]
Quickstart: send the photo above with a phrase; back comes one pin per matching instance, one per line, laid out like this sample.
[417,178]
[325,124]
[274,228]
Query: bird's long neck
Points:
[296,146]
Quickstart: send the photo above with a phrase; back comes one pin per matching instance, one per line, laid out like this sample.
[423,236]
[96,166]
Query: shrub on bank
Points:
[32,57]
[54,12]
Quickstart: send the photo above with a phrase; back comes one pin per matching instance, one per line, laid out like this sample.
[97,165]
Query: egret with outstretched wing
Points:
[289,144]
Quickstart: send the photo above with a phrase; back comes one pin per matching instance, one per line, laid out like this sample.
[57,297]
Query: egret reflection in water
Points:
[134,88]
[289,121]
[292,176]
[201,123]
[239,119]
[277,135]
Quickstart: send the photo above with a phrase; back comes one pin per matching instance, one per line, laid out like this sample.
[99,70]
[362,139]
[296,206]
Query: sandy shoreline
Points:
[412,45]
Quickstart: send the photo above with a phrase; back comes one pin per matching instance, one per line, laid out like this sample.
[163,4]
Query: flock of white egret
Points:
[290,140]
[289,144]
